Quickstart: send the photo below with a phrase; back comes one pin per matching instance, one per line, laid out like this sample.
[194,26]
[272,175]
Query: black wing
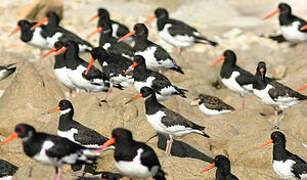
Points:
[148,157]
[68,35]
[180,28]
[161,54]
[245,77]
[122,29]
[160,81]
[280,90]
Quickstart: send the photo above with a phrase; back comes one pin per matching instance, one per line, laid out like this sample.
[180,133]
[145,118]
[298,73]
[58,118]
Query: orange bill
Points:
[15,30]
[208,168]
[131,67]
[301,88]
[303,27]
[57,109]
[48,53]
[126,36]
[272,14]
[60,51]
[10,138]
[90,66]
[268,142]
[261,70]
[94,32]
[149,19]
[94,17]
[108,143]
[39,23]
[218,60]
[135,98]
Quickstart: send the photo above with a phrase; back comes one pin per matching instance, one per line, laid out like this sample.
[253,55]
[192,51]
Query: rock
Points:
[235,32]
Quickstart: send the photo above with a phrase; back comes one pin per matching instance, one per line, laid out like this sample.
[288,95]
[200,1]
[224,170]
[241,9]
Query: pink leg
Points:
[180,51]
[104,99]
[242,103]
[59,174]
[169,146]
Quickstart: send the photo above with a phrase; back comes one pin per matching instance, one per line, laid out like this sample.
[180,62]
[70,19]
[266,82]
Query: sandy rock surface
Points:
[33,88]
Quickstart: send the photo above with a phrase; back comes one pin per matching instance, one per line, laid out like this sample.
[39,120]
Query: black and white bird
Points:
[293,28]
[273,93]
[54,32]
[156,58]
[50,149]
[286,165]
[110,44]
[142,76]
[234,77]
[211,105]
[114,66]
[118,29]
[134,159]
[94,81]
[34,37]
[166,121]
[176,32]
[223,171]
[6,70]
[7,170]
[60,69]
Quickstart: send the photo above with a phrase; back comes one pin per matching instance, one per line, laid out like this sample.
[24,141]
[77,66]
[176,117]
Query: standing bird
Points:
[294,29]
[6,71]
[212,105]
[114,66]
[142,76]
[234,77]
[7,170]
[132,158]
[54,32]
[285,164]
[50,149]
[110,44]
[118,29]
[34,37]
[156,58]
[166,121]
[275,94]
[177,33]
[223,171]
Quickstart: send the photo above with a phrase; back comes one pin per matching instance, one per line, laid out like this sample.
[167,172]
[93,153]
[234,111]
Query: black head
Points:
[141,30]
[221,161]
[146,91]
[230,57]
[161,13]
[122,135]
[65,104]
[24,131]
[53,17]
[71,45]
[278,137]
[24,24]
[106,26]
[139,60]
[58,45]
[103,13]
[261,70]
[98,52]
[284,8]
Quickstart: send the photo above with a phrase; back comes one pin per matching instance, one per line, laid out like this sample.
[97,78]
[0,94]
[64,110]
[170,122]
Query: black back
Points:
[7,169]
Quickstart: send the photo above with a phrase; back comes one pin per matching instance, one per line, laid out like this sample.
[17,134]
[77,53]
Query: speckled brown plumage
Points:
[212,102]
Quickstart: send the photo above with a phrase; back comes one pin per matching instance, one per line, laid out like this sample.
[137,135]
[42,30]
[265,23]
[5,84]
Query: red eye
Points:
[282,5]
[22,129]
[276,136]
[92,52]
[216,159]
[69,44]
[117,134]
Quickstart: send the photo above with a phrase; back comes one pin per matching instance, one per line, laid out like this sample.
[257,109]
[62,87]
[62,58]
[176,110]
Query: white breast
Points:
[38,40]
[114,30]
[292,33]
[150,60]
[178,40]
[125,81]
[106,46]
[68,134]
[61,75]
[42,156]
[134,168]
[3,74]
[283,169]
[233,85]
[211,112]
[53,39]
[139,84]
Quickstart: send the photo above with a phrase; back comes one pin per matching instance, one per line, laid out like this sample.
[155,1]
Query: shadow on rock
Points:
[104,176]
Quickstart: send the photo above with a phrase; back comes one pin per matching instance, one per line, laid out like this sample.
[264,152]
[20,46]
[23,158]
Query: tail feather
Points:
[181,92]
[204,40]
[178,69]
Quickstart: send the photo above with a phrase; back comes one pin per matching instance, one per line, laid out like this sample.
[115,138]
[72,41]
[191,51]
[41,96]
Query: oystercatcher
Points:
[132,158]
[7,170]
[54,32]
[285,164]
[223,171]
[110,44]
[166,121]
[142,76]
[6,70]
[118,29]
[114,66]
[50,149]
[32,37]
[294,29]
[94,81]
[177,33]
[234,77]
[60,69]
[157,58]
[275,94]
[212,105]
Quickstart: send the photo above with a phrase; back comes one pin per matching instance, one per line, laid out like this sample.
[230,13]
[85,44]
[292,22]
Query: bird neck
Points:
[260,83]
[152,105]
[26,34]
[285,18]
[139,72]
[221,173]
[65,118]
[279,151]
[59,61]
[161,22]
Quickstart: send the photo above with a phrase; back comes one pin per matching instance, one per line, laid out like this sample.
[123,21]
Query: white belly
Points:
[61,75]
[134,168]
[3,74]
[178,41]
[38,40]
[150,60]
[125,81]
[42,156]
[211,112]
[232,84]
[8,177]
[291,33]
[283,169]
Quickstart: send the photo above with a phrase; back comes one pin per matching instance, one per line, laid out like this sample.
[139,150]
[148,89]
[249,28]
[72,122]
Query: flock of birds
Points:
[142,66]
